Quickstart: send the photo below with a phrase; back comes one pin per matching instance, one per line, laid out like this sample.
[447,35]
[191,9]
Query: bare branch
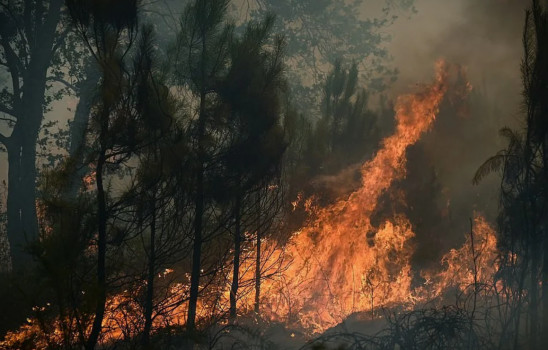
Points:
[64,82]
[9,120]
[6,110]
[3,139]
[14,66]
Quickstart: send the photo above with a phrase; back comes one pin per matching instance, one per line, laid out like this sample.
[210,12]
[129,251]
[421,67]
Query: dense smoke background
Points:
[483,36]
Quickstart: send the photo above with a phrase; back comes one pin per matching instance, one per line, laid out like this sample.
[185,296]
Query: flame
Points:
[475,262]
[338,263]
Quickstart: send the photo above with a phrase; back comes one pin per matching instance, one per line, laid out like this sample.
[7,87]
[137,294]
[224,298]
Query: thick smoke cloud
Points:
[484,37]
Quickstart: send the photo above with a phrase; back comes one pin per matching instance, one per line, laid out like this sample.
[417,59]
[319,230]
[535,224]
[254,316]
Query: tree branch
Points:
[63,81]
[6,110]
[18,24]
[61,38]
[11,57]
[14,66]
[3,139]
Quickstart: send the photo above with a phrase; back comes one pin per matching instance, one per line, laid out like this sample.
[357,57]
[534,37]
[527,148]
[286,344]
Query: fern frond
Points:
[491,165]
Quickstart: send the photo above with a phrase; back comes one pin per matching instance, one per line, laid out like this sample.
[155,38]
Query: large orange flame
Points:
[338,263]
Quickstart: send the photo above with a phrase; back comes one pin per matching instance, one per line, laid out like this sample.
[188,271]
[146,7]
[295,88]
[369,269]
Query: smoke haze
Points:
[485,38]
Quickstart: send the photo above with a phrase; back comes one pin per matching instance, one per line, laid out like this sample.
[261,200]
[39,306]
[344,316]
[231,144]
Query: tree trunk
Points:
[150,278]
[258,257]
[533,307]
[22,224]
[545,293]
[78,130]
[196,254]
[236,262]
[28,186]
[14,225]
[544,218]
[101,247]
[198,221]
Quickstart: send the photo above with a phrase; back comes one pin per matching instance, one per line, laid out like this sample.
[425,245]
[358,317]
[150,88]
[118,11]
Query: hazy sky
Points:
[483,35]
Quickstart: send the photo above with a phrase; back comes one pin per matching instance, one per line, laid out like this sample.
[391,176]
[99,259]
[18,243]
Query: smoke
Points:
[484,37]
[438,195]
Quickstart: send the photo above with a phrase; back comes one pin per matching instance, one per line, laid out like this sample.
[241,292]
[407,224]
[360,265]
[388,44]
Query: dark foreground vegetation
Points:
[155,218]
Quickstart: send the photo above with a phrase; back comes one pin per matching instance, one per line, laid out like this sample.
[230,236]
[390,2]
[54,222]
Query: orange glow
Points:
[339,263]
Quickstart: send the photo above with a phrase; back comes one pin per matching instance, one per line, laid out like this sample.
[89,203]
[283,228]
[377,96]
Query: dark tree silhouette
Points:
[202,51]
[30,37]
[524,168]
[252,92]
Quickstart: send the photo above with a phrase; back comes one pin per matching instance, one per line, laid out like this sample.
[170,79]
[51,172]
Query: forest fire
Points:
[339,263]
[265,174]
